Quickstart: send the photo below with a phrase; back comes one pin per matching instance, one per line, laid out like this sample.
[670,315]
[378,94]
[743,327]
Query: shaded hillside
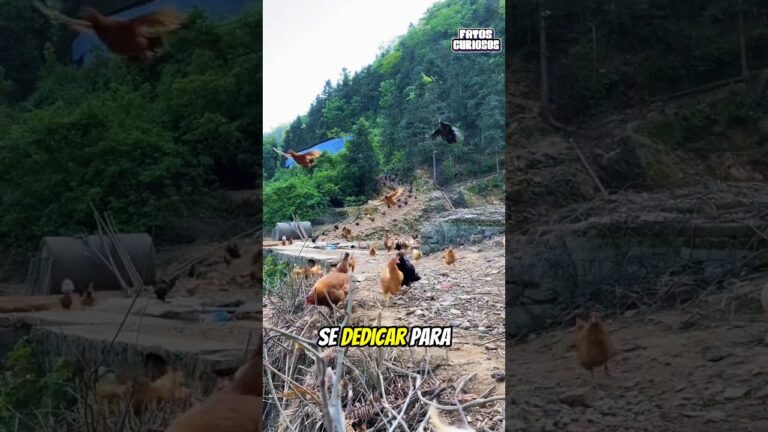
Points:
[399,99]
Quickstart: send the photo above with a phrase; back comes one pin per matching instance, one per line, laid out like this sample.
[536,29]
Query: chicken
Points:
[312,270]
[372,250]
[139,39]
[290,240]
[234,407]
[166,388]
[88,299]
[391,280]
[389,242]
[143,392]
[233,251]
[329,290]
[283,241]
[346,233]
[450,256]
[407,269]
[66,301]
[346,265]
[416,254]
[67,287]
[391,199]
[447,132]
[307,160]
[594,347]
[764,298]
[401,245]
[164,287]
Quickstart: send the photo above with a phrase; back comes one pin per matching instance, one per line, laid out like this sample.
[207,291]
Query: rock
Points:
[499,376]
[731,393]
[582,397]
[714,353]
[455,323]
[460,225]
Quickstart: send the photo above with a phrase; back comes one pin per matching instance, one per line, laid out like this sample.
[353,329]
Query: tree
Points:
[359,164]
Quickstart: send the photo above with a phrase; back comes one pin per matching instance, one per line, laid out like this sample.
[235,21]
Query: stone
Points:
[582,397]
[731,393]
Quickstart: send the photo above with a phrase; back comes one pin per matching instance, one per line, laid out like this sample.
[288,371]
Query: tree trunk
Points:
[544,103]
[743,44]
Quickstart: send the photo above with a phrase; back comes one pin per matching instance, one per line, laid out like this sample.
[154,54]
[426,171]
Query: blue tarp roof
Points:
[331,146]
[213,8]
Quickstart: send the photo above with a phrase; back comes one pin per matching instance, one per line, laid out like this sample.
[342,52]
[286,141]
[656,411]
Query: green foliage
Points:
[150,143]
[297,195]
[606,55]
[30,395]
[274,272]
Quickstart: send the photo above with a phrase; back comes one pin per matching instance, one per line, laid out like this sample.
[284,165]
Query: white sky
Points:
[309,41]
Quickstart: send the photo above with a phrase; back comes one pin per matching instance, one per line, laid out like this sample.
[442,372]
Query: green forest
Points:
[609,55]
[391,107]
[152,144]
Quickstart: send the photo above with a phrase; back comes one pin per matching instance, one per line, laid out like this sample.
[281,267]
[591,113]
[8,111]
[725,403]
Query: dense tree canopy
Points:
[612,54]
[394,105]
[148,143]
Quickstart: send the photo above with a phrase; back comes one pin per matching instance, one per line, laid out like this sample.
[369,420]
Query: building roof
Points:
[331,146]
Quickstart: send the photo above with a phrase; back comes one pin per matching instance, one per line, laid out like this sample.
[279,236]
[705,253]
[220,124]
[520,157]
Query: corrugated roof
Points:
[331,146]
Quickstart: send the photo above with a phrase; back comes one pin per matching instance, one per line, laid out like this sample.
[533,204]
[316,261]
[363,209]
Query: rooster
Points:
[67,288]
[307,160]
[593,345]
[409,271]
[391,280]
[139,39]
[447,132]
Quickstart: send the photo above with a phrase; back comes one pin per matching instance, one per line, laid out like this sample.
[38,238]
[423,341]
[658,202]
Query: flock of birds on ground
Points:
[332,289]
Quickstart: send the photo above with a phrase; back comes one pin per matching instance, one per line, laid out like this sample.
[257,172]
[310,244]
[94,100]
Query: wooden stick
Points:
[589,168]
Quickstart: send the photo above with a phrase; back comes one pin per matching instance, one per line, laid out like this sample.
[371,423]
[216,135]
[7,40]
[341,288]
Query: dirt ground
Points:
[704,368]
[469,296]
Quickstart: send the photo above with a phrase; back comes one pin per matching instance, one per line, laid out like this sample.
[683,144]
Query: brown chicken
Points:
[66,301]
[346,233]
[166,388]
[594,347]
[343,265]
[372,250]
[416,254]
[450,256]
[389,242]
[139,39]
[329,290]
[307,160]
[88,299]
[235,407]
[391,279]
[311,271]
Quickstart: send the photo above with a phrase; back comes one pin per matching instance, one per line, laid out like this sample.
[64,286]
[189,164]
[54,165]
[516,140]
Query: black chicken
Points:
[447,132]
[409,271]
[164,287]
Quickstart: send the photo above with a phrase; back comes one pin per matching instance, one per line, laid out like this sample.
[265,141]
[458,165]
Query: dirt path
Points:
[672,374]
